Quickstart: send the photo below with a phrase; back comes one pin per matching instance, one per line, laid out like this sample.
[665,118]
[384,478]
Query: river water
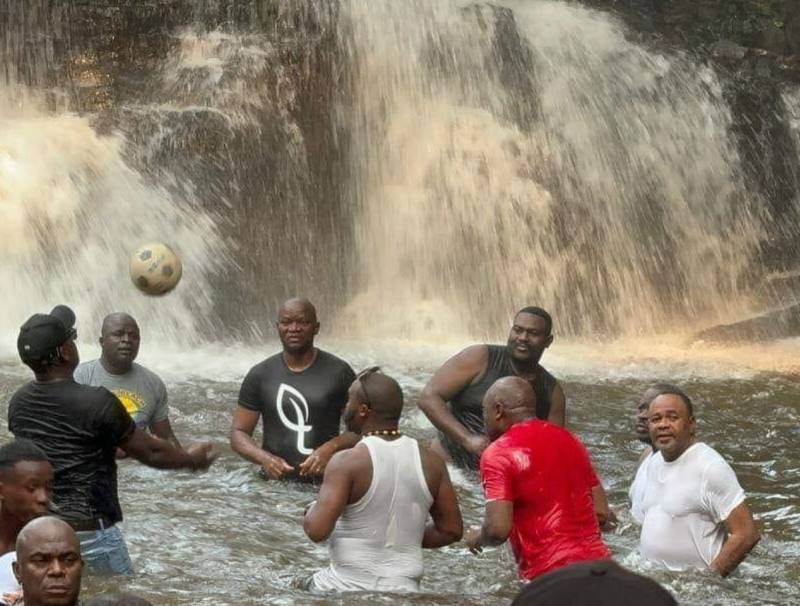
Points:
[225,537]
[420,169]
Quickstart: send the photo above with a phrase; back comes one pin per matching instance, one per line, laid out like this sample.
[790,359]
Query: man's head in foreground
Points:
[49,563]
[508,401]
[598,583]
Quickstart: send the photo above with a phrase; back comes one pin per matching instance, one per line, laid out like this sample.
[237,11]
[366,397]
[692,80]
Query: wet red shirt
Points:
[546,472]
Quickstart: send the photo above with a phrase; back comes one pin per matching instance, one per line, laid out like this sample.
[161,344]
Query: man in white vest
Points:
[693,510]
[377,497]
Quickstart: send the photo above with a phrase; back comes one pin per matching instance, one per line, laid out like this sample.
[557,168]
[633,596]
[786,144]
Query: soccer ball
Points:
[155,269]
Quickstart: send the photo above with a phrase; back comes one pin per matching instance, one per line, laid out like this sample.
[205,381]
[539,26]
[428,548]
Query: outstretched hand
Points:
[203,455]
[317,461]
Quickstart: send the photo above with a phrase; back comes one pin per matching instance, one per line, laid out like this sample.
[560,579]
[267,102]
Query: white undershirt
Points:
[636,492]
[683,506]
[8,582]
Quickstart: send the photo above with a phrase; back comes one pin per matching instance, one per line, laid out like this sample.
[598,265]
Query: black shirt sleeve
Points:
[250,391]
[116,423]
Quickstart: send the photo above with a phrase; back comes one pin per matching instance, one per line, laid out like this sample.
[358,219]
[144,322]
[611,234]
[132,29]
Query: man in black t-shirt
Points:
[79,428]
[300,394]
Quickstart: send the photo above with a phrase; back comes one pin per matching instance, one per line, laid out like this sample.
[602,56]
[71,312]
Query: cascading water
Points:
[419,168]
[73,210]
[536,156]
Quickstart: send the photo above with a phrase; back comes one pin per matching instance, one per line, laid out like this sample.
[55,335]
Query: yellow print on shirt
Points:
[132,401]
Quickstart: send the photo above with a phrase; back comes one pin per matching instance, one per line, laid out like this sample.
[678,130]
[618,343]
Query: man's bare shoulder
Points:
[433,466]
[475,354]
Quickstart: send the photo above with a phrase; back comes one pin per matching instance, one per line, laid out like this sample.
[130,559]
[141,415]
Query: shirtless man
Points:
[464,379]
[375,498]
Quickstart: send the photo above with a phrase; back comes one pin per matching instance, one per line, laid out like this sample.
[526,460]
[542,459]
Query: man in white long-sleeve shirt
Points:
[693,510]
[376,498]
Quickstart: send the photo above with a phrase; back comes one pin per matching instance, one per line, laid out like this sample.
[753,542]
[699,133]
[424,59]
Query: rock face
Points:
[771,326]
[755,46]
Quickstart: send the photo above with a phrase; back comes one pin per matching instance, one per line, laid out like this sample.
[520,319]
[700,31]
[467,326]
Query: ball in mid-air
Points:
[155,269]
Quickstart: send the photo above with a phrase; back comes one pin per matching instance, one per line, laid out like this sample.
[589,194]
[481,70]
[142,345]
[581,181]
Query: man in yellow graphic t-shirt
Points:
[140,390]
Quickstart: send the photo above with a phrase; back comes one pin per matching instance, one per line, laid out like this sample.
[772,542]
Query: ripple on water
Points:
[226,537]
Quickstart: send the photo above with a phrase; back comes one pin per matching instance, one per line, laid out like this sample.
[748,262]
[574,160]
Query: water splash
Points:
[73,210]
[537,156]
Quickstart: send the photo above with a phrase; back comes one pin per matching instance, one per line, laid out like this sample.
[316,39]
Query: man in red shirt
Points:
[541,490]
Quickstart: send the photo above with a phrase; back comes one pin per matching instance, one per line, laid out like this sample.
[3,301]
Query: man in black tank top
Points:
[465,378]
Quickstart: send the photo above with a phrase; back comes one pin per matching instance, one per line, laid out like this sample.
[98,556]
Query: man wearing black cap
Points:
[79,428]
[600,583]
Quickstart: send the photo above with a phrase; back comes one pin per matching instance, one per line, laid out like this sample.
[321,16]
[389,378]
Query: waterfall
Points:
[419,168]
[534,155]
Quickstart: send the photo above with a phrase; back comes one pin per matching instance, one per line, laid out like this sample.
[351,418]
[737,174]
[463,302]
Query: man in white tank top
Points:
[377,497]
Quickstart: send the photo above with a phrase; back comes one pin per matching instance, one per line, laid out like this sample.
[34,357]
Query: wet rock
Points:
[725,49]
[771,326]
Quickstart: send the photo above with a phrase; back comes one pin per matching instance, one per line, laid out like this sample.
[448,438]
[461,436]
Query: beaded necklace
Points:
[384,432]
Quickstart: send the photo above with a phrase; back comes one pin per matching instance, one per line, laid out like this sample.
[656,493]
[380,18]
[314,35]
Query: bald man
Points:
[299,394]
[541,490]
[376,498]
[49,563]
[140,390]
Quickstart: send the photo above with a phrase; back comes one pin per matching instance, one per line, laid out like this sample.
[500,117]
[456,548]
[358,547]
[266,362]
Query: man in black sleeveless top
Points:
[464,379]
[300,394]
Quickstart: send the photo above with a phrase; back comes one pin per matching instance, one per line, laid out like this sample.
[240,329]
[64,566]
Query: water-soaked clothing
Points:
[300,410]
[79,428]
[545,471]
[467,405]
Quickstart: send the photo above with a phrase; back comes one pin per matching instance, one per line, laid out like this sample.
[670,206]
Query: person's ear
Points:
[316,329]
[15,568]
[499,410]
[549,341]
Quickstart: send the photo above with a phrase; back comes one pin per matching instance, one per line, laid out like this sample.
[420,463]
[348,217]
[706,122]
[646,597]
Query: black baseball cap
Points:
[42,334]
[596,583]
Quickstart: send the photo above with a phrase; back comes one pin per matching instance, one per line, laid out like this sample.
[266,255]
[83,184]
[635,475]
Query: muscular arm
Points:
[743,535]
[446,526]
[158,453]
[558,407]
[163,430]
[241,440]
[454,375]
[334,494]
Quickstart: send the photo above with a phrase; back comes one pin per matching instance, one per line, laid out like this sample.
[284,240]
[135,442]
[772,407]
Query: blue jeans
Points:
[105,552]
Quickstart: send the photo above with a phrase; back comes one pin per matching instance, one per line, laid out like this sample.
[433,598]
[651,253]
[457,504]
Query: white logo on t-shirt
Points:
[299,407]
